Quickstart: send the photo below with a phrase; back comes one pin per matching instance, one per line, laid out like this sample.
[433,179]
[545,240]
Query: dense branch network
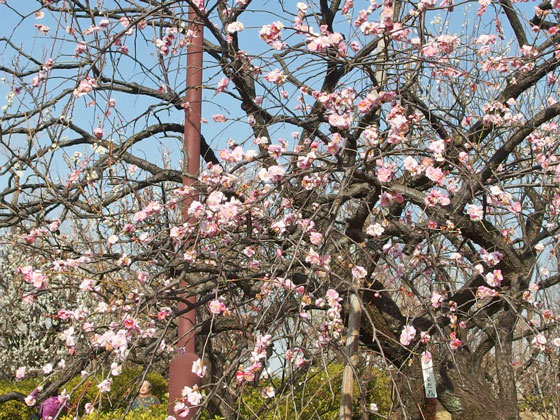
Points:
[366,151]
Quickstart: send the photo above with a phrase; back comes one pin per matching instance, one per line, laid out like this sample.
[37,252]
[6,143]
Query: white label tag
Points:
[428,374]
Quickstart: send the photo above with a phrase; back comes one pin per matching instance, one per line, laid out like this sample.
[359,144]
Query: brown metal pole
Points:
[180,368]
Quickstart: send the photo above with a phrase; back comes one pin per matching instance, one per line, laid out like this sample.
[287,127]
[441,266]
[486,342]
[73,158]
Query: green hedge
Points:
[317,396]
[158,412]
[124,387]
[16,410]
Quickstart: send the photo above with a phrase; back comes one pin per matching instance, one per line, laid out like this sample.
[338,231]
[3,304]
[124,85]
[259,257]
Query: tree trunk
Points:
[411,395]
[466,395]
[463,392]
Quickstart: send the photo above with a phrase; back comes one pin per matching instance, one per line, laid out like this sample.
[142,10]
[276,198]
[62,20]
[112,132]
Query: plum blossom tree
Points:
[28,338]
[381,186]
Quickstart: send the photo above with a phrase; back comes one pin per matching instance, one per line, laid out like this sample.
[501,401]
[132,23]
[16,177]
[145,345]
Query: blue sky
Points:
[216,134]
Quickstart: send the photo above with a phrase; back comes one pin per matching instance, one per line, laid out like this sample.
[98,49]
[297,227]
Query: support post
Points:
[352,341]
[180,368]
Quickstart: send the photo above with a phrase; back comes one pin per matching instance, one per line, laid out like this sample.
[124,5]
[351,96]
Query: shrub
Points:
[16,410]
[158,412]
[317,396]
[123,389]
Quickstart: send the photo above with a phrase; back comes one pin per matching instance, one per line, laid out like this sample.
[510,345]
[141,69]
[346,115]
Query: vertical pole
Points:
[352,341]
[180,368]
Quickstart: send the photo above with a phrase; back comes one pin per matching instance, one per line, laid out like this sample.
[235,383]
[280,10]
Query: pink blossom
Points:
[193,396]
[426,356]
[533,287]
[358,272]
[407,335]
[222,85]
[475,212]
[199,4]
[486,39]
[215,199]
[54,225]
[272,35]
[198,368]
[436,197]
[276,76]
[516,207]
[495,278]
[124,21]
[370,28]
[295,356]
[190,255]
[196,209]
[241,376]
[81,47]
[234,27]
[410,164]
[105,386]
[279,227]
[389,198]
[39,280]
[48,368]
[73,178]
[87,285]
[316,238]
[219,118]
[455,343]
[268,392]
[375,229]
[430,50]
[39,79]
[484,292]
[216,307]
[539,341]
[86,86]
[334,145]
[42,28]
[30,400]
[341,121]
[124,260]
[436,299]
[305,162]
[332,297]
[237,155]
[130,323]
[273,174]
[112,240]
[20,372]
[98,132]
[435,174]
[384,174]
[313,257]
[142,276]
[275,150]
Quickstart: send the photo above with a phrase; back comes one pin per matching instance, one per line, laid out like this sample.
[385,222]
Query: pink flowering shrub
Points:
[375,184]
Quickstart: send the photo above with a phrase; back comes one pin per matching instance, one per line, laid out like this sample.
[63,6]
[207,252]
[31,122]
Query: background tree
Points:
[394,152]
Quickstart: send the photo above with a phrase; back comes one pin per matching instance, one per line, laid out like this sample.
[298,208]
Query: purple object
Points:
[52,406]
